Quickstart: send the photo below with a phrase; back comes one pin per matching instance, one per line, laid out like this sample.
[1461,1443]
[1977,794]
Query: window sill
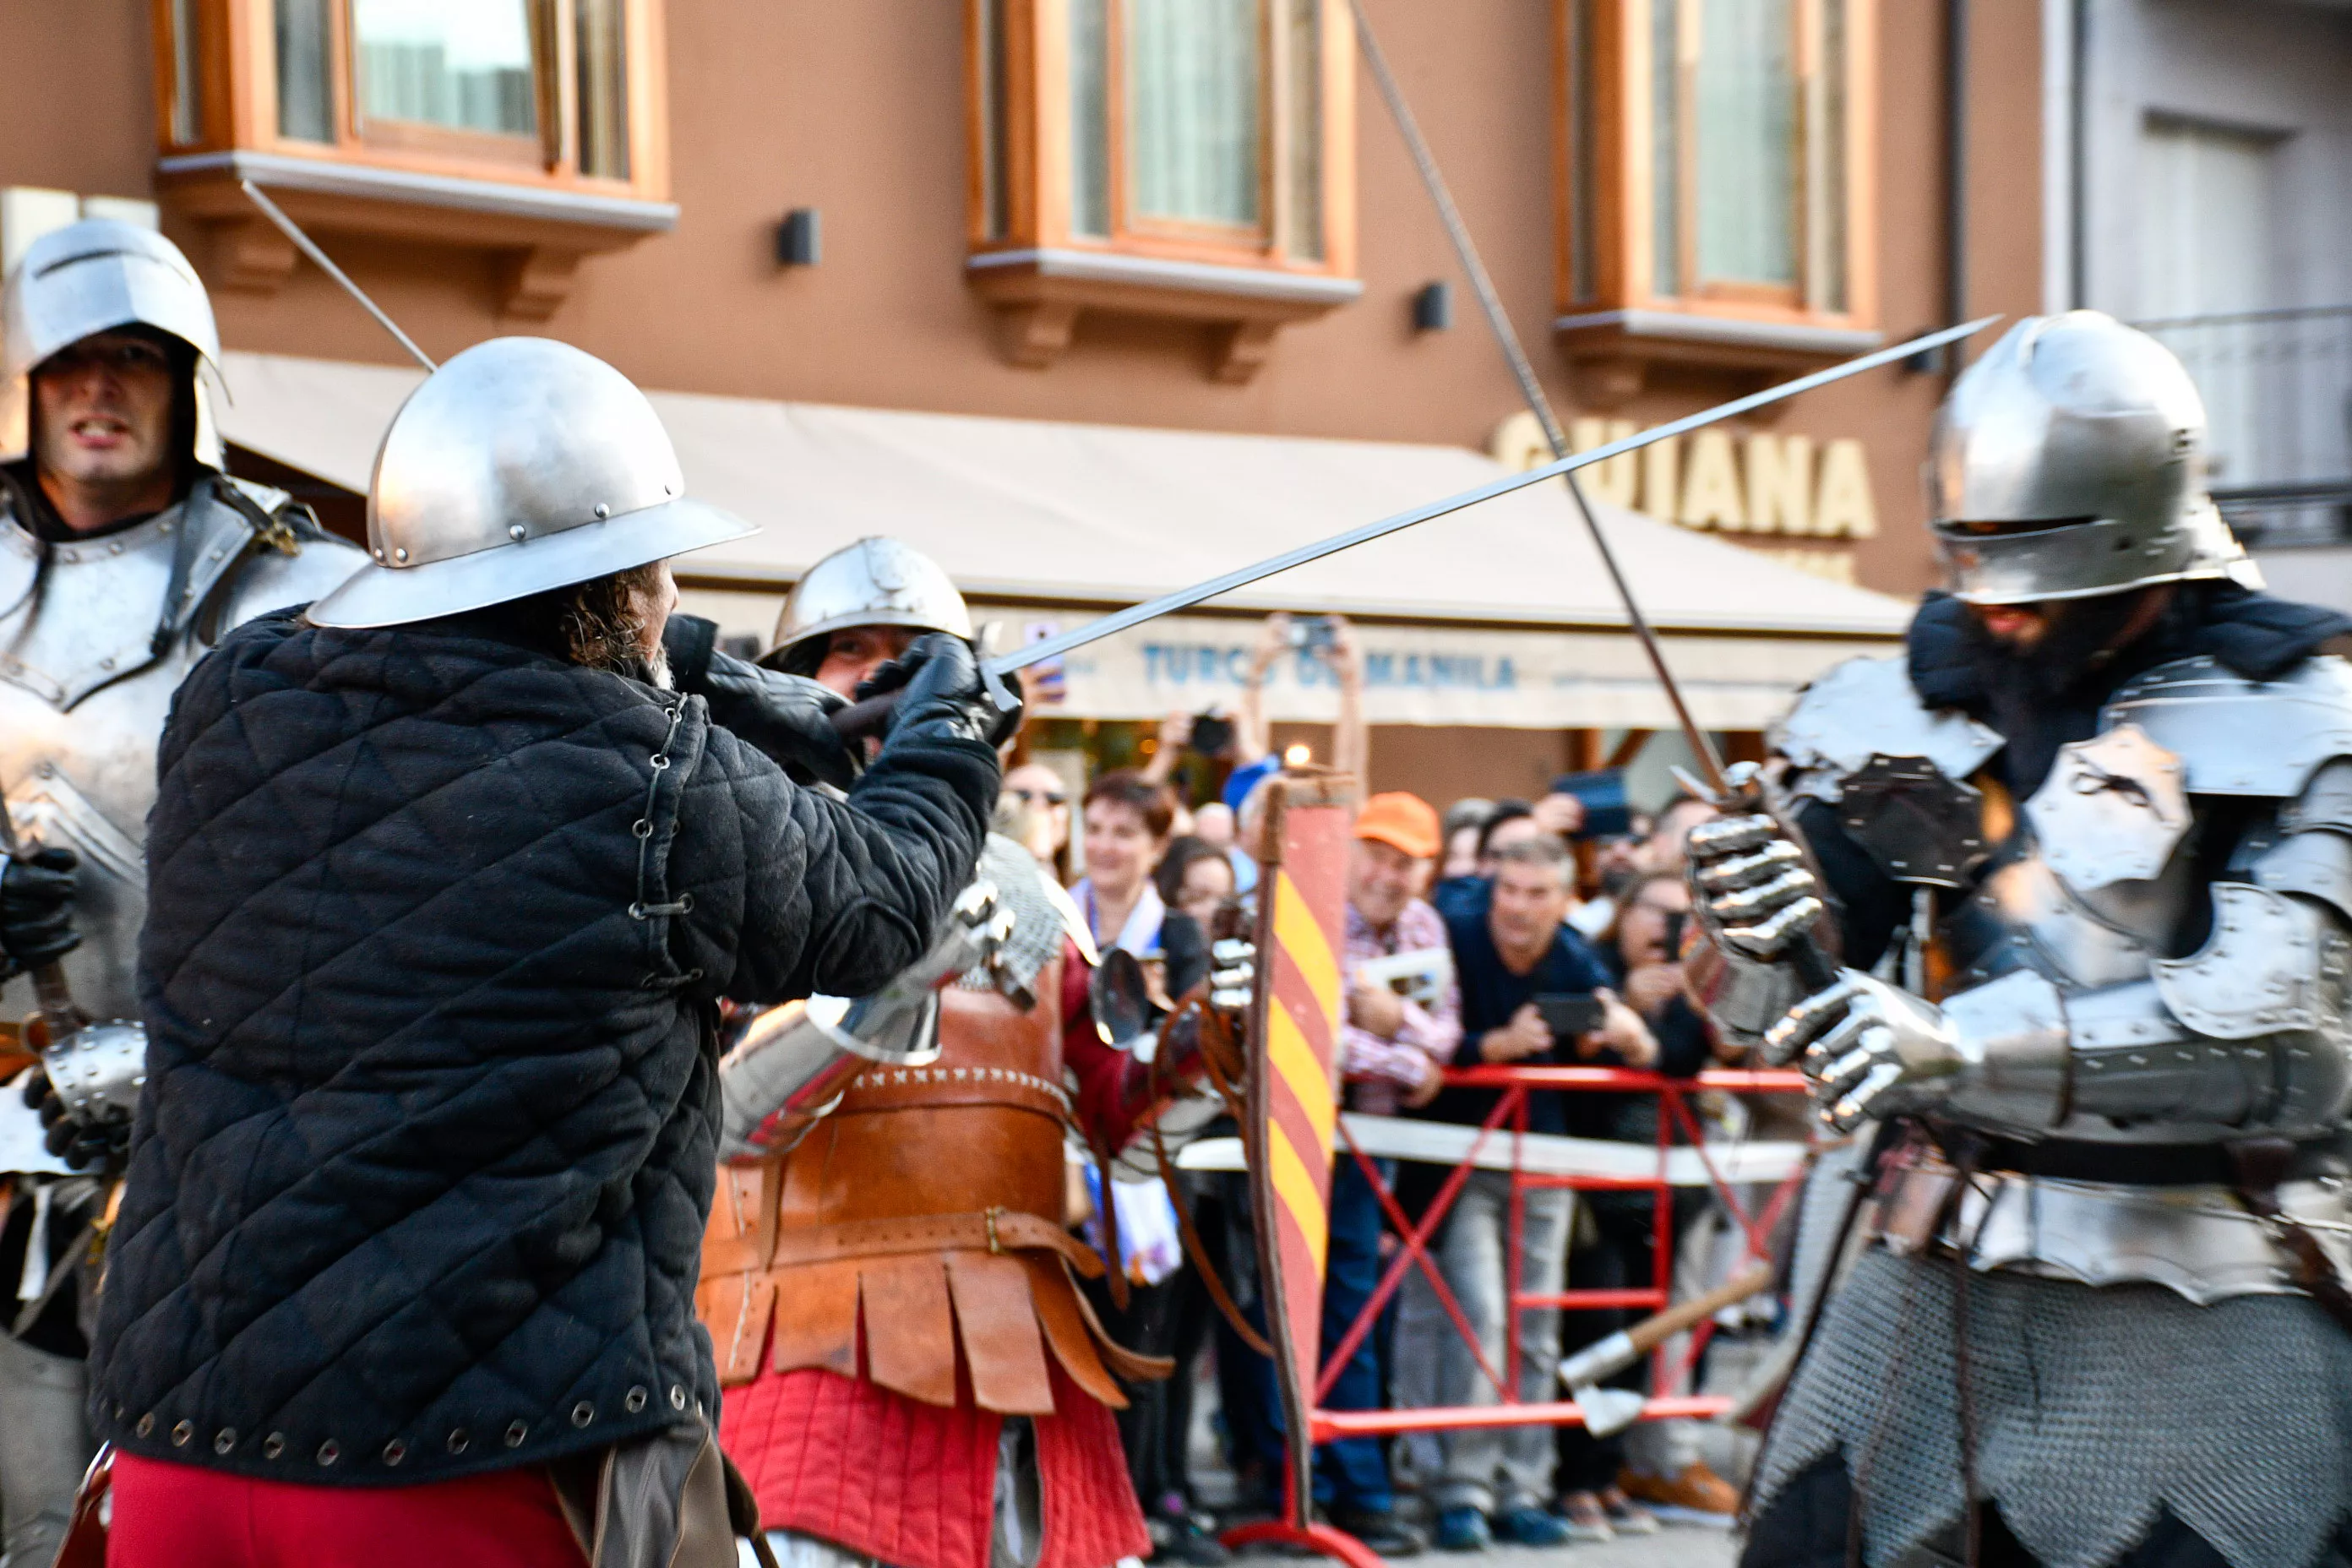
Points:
[1039,294]
[538,232]
[1614,349]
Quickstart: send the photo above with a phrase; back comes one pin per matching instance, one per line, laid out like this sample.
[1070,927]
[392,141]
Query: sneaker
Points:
[1381,1530]
[1627,1516]
[1187,1540]
[1527,1526]
[1583,1517]
[1463,1530]
[1696,1495]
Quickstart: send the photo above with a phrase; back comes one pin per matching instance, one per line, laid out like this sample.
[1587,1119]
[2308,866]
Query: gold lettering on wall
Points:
[1761,483]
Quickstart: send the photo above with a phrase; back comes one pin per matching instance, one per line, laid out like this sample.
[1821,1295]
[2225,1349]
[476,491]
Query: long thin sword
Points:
[1364,534]
[303,242]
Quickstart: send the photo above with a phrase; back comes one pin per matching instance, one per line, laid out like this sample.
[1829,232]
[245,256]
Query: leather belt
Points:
[988,1230]
[901,1088]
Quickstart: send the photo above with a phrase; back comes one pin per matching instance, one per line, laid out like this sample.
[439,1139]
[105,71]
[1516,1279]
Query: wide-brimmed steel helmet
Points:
[521,465]
[2070,461]
[96,276]
[876,582]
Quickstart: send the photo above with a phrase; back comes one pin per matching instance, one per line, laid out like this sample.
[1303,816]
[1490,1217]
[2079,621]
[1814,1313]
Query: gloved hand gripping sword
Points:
[91,1072]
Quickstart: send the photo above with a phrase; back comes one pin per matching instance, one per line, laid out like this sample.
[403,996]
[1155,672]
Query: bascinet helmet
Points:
[521,465]
[96,276]
[876,582]
[2070,461]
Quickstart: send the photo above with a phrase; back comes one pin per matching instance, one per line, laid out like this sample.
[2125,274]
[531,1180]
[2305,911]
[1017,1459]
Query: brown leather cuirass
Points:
[925,1212]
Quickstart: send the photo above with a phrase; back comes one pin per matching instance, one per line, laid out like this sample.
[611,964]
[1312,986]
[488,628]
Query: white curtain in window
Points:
[1194,79]
[2205,250]
[1746,142]
[1090,117]
[465,64]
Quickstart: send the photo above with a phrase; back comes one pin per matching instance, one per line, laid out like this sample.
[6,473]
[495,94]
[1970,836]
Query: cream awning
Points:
[1498,615]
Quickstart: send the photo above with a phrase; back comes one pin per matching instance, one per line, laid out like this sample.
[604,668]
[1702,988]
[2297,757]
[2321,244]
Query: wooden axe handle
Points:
[1653,1331]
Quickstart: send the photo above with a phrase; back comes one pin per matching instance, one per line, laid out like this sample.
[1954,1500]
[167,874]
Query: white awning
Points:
[1500,614]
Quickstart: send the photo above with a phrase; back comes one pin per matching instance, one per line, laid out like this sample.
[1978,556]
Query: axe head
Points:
[1607,1411]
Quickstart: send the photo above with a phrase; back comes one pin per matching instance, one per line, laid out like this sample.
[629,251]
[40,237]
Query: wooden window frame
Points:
[1025,254]
[1611,312]
[523,197]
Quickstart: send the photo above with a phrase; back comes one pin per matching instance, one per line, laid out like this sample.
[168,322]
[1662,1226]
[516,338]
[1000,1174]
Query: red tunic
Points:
[911,1482]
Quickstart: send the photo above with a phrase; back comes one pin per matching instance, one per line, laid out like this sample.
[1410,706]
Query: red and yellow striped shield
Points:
[1293,1084]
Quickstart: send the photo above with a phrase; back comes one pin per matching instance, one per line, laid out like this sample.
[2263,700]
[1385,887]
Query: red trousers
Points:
[185,1516]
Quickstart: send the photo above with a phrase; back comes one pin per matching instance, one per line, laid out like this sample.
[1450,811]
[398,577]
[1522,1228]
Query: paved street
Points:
[1670,1548]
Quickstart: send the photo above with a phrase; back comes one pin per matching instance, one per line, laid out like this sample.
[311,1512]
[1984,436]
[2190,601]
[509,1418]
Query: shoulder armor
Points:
[1866,707]
[2236,736]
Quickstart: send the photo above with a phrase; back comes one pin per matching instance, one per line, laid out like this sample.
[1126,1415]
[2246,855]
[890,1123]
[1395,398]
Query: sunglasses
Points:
[1039,796]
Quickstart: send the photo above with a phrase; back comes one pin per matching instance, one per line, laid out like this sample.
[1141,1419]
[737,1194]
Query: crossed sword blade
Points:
[1000,664]
[1243,576]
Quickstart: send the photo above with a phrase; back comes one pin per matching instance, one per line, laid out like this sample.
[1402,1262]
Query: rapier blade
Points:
[1243,576]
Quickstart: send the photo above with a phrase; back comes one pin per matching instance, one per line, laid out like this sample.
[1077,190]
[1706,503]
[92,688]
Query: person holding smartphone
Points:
[1510,947]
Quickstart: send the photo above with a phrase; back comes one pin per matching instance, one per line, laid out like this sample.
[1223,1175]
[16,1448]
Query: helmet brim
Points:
[384,595]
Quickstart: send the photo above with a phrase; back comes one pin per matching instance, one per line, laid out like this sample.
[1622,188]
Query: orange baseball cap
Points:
[1402,821]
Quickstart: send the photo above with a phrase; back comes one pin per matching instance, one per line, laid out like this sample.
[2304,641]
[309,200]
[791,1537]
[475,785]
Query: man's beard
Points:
[2079,640]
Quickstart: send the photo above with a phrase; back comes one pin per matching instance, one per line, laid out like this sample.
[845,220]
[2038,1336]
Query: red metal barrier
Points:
[1676,1127]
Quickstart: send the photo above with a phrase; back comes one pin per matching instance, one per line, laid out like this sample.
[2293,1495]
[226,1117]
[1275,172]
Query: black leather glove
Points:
[943,692]
[37,898]
[786,717]
[80,1141]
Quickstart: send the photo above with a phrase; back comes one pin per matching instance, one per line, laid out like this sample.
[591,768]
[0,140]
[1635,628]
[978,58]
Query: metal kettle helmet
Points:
[2070,461]
[97,276]
[876,582]
[521,466]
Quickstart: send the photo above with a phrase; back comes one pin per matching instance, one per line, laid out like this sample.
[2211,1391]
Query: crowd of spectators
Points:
[1498,932]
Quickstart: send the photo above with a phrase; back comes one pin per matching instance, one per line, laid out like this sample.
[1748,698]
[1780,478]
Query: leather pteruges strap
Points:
[2262,1163]
[989,1230]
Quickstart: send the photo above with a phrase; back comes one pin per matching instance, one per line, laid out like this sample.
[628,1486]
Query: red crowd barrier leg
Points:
[1319,1538]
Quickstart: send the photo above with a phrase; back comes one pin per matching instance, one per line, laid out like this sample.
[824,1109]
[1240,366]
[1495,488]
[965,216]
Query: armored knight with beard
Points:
[2085,855]
[125,553]
[913,1376]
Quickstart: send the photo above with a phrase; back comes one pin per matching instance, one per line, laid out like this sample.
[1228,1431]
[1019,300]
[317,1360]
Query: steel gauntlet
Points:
[1754,898]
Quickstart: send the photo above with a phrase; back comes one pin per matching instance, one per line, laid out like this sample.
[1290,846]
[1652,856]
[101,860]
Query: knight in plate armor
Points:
[2084,856]
[912,1374]
[125,552]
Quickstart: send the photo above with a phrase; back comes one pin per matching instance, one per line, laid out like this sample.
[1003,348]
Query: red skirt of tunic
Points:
[914,1484]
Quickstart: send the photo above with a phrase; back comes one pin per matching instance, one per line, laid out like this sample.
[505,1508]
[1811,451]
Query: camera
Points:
[1313,635]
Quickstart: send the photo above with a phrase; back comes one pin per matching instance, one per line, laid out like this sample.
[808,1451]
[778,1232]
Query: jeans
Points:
[1492,1469]
[45,1445]
[1349,1472]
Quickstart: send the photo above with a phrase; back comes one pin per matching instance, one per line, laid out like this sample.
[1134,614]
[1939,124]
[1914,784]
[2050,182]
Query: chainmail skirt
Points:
[2091,1409]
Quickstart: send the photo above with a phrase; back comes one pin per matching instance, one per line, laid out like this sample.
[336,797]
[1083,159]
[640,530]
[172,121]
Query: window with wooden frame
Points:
[532,129]
[1716,183]
[1185,158]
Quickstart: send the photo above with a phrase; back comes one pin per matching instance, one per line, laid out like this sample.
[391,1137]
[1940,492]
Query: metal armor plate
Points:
[84,694]
[1918,823]
[2236,736]
[2113,809]
[2259,971]
[1865,707]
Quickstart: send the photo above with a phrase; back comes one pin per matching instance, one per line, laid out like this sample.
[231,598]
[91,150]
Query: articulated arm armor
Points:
[2071,1019]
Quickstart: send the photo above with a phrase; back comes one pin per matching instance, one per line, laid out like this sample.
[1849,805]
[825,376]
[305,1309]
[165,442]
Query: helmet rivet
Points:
[603,511]
[379,554]
[517,532]
[401,554]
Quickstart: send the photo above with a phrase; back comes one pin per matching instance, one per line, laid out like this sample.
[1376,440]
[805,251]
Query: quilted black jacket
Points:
[437,930]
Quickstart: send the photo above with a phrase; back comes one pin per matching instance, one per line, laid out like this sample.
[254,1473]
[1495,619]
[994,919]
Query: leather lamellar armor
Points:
[95,637]
[2145,963]
[922,1215]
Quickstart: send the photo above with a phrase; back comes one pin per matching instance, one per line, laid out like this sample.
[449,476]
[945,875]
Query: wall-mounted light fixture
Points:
[1433,307]
[800,238]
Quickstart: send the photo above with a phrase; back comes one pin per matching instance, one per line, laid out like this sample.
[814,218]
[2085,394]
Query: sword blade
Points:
[1243,576]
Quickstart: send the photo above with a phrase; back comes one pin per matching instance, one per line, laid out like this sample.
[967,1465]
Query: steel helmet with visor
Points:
[2070,461]
[102,275]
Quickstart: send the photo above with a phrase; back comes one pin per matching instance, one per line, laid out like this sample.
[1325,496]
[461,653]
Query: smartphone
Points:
[1569,1014]
[1212,735]
[1313,635]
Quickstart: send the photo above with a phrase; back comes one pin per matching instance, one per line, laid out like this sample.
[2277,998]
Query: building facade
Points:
[1185,216]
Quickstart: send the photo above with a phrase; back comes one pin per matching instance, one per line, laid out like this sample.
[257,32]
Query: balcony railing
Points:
[2278,400]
